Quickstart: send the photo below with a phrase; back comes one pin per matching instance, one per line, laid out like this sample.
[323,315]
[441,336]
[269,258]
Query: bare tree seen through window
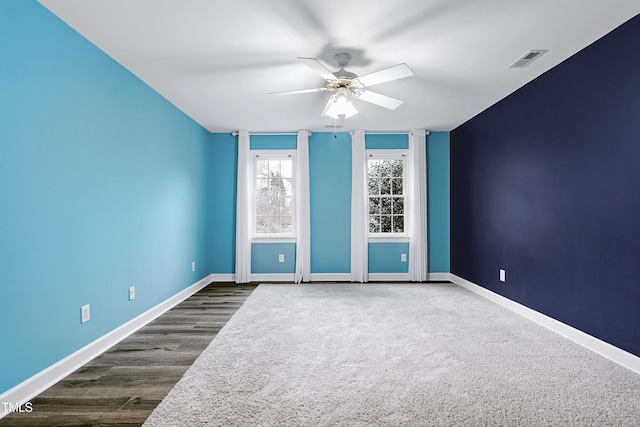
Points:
[385,180]
[274,196]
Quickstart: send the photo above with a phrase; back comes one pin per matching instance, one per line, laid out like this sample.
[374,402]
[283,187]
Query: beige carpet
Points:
[394,355]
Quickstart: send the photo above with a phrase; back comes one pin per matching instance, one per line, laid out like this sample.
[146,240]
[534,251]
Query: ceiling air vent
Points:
[527,58]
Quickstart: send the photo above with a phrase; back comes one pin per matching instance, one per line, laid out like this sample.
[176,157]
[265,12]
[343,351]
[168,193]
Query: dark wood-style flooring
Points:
[123,386]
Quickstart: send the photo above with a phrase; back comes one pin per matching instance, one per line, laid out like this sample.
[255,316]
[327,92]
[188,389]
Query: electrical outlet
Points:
[132,293]
[85,312]
[193,266]
[403,257]
[503,275]
[281,258]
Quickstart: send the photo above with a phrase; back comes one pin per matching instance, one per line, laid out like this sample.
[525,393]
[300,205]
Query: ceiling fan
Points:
[345,84]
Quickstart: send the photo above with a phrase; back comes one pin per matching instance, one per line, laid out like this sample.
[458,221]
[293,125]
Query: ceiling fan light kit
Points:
[346,84]
[339,105]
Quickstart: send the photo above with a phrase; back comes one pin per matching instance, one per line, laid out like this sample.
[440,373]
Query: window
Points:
[273,195]
[386,188]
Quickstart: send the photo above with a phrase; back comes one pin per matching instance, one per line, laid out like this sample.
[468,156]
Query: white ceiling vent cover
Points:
[527,58]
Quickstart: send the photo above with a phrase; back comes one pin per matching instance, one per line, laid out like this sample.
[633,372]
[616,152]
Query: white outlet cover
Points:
[503,275]
[132,293]
[403,257]
[193,266]
[281,258]
[85,311]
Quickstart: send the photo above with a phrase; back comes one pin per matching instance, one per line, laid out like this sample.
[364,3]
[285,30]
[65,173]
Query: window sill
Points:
[383,239]
[273,239]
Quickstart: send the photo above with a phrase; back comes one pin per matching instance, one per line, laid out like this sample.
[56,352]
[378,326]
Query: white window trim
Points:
[395,237]
[275,155]
[276,238]
[391,154]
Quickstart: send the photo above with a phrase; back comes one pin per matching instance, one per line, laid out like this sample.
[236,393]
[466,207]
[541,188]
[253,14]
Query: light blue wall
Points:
[397,141]
[222,199]
[265,258]
[330,187]
[386,257]
[102,187]
[438,201]
[273,142]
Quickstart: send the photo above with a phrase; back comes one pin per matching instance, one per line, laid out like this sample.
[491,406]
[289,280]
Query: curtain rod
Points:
[389,132]
[235,133]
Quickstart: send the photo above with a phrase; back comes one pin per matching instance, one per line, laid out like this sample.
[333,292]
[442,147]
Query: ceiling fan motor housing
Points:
[343,77]
[342,59]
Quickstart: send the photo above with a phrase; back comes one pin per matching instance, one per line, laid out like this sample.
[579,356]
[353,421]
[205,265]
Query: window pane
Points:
[285,205]
[398,224]
[288,186]
[396,168]
[373,168]
[385,187]
[276,186]
[263,205]
[286,224]
[262,224]
[374,205]
[398,205]
[374,224]
[262,186]
[396,186]
[386,167]
[262,168]
[287,169]
[385,224]
[385,206]
[275,206]
[274,224]
[274,167]
[374,187]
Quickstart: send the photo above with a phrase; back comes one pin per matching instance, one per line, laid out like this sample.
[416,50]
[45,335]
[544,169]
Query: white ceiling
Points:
[217,60]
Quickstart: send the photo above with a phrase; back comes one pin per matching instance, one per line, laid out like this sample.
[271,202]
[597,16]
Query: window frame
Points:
[389,154]
[257,155]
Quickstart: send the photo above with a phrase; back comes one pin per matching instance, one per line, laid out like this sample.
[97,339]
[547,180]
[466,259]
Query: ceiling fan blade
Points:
[381,100]
[294,92]
[396,72]
[317,66]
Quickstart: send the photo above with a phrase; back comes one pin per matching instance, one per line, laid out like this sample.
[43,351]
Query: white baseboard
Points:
[331,277]
[385,277]
[611,352]
[41,381]
[223,277]
[273,277]
[389,277]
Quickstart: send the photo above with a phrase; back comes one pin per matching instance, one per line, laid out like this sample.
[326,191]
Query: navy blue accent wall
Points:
[546,185]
